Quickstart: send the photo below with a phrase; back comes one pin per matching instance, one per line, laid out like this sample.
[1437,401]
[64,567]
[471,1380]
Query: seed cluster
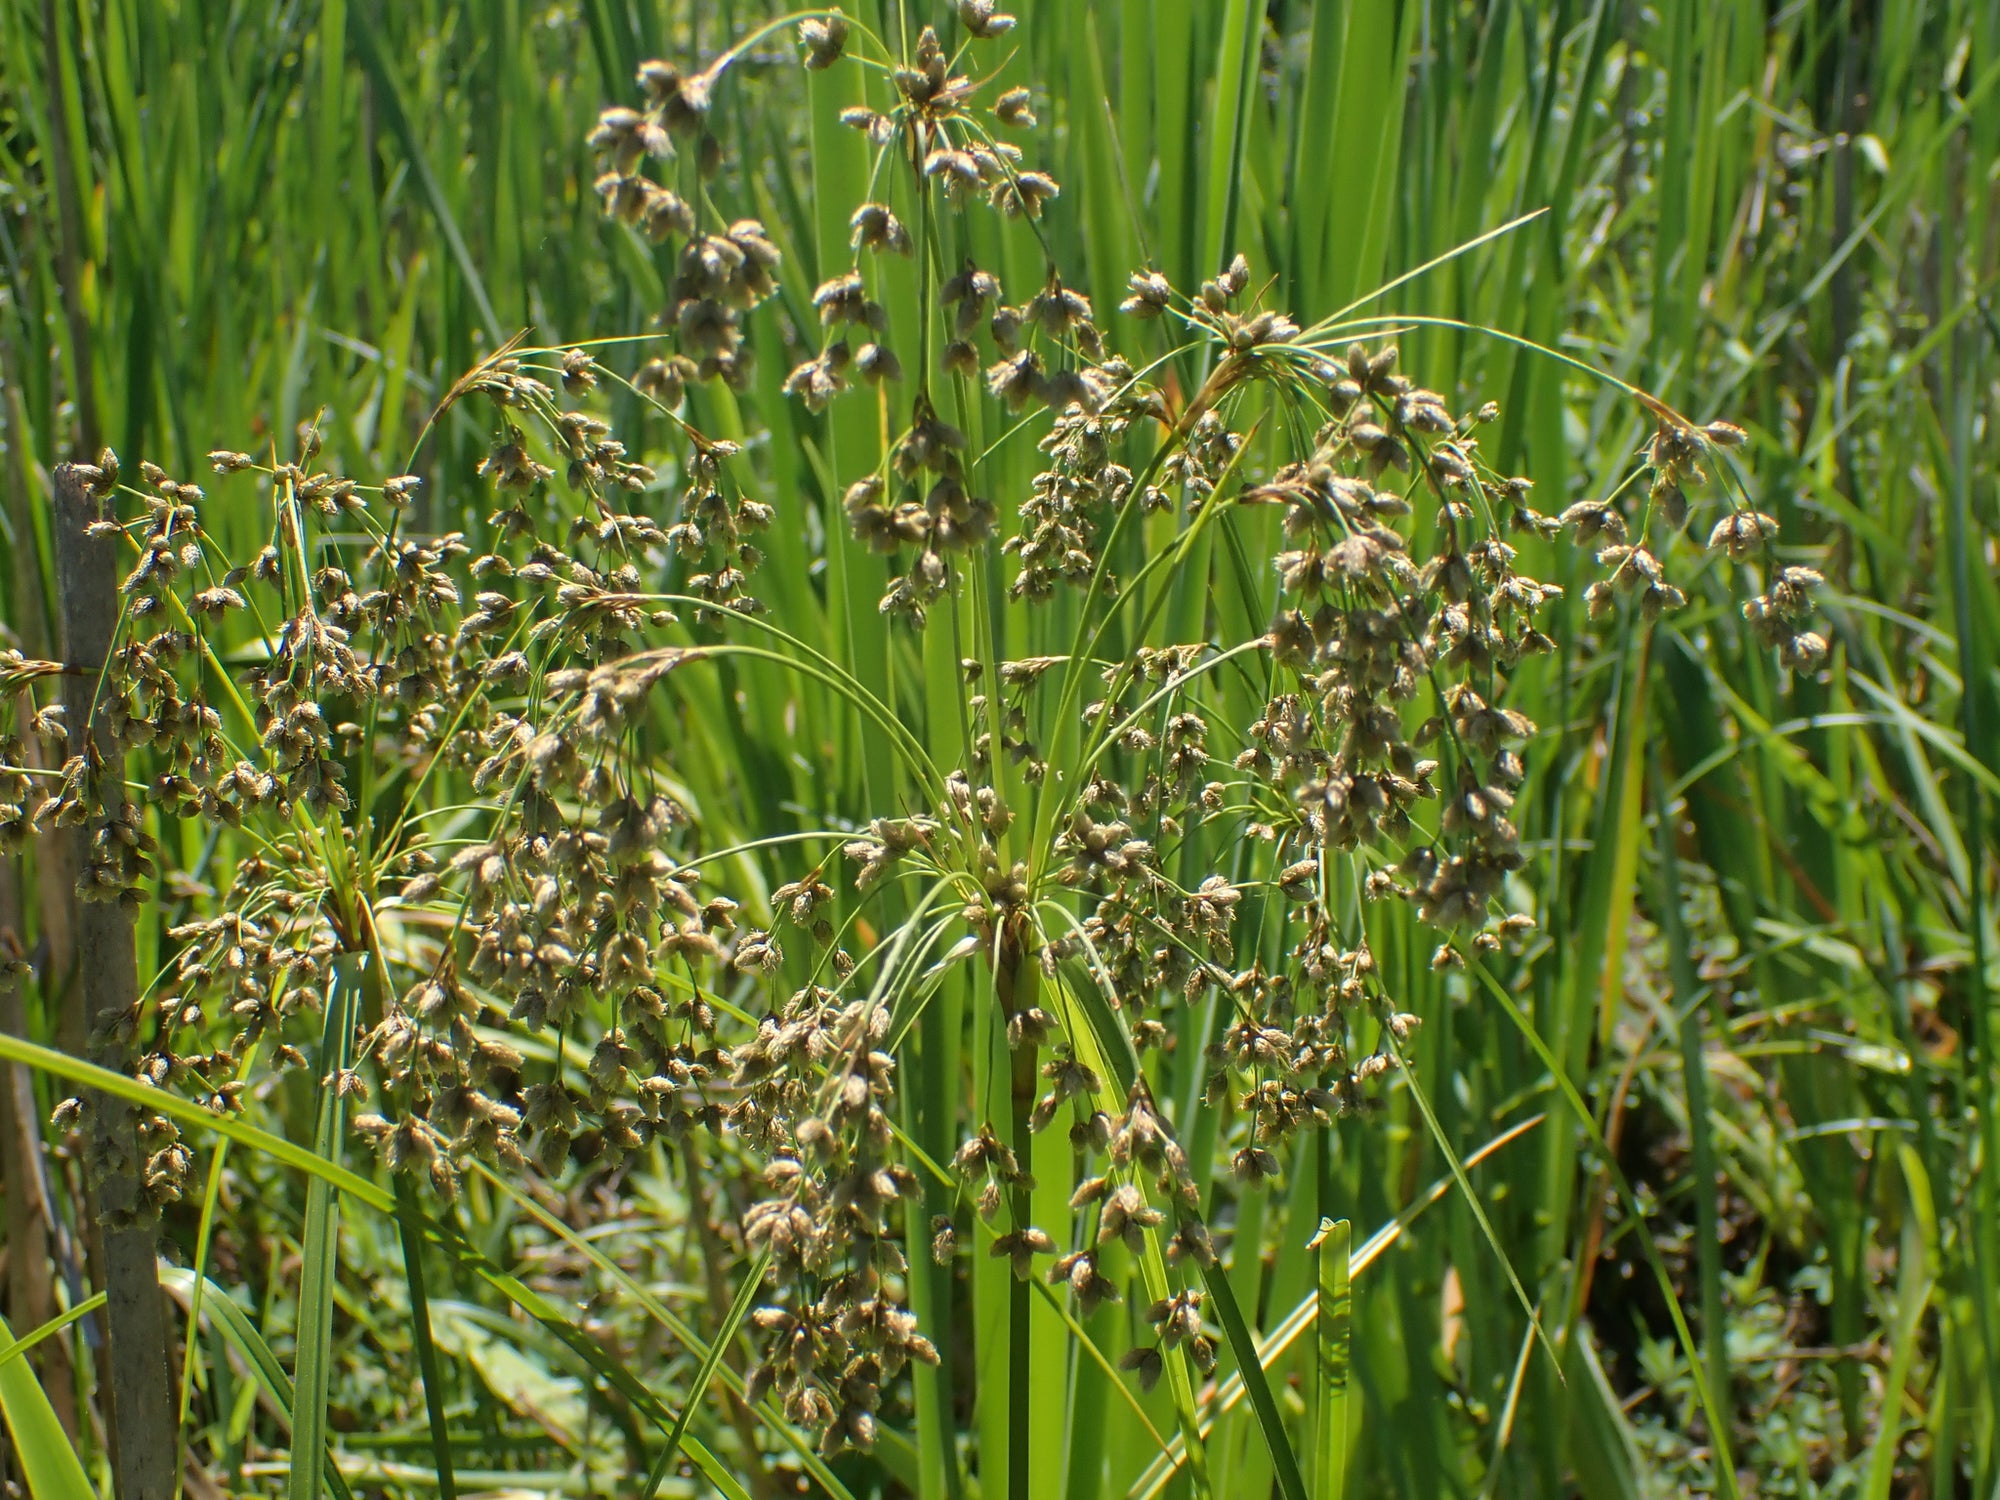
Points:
[1147,844]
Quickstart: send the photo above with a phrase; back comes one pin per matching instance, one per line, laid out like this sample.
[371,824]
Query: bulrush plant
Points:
[1119,887]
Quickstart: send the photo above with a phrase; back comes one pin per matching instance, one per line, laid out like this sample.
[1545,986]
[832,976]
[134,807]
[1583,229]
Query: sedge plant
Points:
[993,1064]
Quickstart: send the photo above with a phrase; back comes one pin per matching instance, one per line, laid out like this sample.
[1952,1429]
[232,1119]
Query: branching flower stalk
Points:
[454,751]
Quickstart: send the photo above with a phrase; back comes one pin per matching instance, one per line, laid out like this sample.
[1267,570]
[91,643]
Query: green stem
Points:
[1014,987]
[420,1336]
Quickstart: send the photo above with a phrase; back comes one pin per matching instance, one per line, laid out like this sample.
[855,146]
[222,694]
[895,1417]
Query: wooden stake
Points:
[33,1228]
[139,1380]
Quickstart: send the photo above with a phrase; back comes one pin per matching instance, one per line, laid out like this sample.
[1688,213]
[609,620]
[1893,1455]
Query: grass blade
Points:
[1335,1307]
[1602,1447]
[1687,1004]
[809,1460]
[746,1293]
[55,1325]
[48,1462]
[321,1241]
[389,99]
[420,1336]
[1913,1295]
[1472,1201]
[1725,1466]
[1285,1463]
[1306,1315]
[221,1312]
[1242,26]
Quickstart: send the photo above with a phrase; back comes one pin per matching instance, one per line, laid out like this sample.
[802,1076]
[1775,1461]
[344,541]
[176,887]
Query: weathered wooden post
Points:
[105,987]
[32,1228]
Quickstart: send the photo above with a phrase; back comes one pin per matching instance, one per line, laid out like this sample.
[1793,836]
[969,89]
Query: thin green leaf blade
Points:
[40,1447]
[1335,1308]
[320,1247]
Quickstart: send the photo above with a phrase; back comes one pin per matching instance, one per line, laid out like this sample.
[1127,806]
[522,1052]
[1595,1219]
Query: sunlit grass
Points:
[1763,959]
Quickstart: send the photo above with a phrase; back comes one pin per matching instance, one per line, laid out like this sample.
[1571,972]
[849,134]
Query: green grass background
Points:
[1767,932]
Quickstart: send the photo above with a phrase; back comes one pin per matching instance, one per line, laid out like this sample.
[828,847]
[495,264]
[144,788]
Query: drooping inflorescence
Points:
[1180,829]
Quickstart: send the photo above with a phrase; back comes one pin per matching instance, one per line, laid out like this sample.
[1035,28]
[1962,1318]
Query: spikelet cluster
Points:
[1173,829]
